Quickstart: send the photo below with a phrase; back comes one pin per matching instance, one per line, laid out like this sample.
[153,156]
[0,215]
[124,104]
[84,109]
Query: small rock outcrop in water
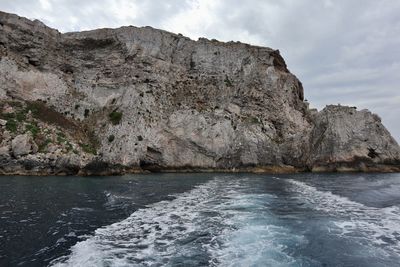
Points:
[132,99]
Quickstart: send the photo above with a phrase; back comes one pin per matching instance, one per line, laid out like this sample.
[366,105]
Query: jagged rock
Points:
[172,103]
[3,122]
[21,145]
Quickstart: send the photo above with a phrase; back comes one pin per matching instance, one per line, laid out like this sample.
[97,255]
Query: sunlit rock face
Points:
[134,99]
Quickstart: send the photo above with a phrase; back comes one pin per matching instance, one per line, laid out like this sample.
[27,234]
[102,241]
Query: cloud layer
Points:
[343,51]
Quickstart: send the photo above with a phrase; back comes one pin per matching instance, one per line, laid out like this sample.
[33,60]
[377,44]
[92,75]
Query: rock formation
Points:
[110,101]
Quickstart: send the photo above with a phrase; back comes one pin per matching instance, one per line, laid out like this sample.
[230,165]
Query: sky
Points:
[344,51]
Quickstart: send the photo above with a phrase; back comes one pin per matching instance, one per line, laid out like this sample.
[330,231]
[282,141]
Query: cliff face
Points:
[133,99]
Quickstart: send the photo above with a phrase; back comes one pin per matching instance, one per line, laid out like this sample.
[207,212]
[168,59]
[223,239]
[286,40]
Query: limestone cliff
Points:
[133,99]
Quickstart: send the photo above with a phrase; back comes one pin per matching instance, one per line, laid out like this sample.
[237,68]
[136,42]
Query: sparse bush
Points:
[86,114]
[33,128]
[111,138]
[88,148]
[192,64]
[254,120]
[115,117]
[228,82]
[12,125]
[44,144]
[61,138]
[49,115]
[69,146]
[20,116]
[34,107]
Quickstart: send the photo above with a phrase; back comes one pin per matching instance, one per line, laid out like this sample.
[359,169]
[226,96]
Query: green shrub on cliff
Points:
[254,120]
[88,148]
[228,82]
[12,125]
[115,117]
[43,145]
[34,107]
[61,138]
[21,115]
[33,128]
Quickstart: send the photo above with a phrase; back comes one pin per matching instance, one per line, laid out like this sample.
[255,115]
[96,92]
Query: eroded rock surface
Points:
[133,99]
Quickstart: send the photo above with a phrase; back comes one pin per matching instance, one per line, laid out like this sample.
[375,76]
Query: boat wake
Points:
[215,224]
[232,222]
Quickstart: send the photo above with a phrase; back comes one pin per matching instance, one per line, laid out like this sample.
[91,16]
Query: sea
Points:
[208,219]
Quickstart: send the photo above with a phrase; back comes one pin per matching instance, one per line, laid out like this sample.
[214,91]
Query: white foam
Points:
[82,209]
[216,220]
[115,200]
[377,226]
[256,238]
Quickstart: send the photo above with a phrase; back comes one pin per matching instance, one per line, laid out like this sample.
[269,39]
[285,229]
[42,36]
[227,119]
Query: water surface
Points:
[201,220]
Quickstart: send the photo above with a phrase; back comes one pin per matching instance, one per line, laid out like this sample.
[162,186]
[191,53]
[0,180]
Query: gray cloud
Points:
[343,51]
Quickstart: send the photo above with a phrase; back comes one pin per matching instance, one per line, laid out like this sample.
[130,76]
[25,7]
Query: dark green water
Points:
[201,220]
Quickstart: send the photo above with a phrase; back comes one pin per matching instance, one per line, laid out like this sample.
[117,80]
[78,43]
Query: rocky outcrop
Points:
[346,139]
[22,145]
[136,99]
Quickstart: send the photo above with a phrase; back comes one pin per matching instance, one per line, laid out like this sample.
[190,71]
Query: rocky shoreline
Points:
[137,100]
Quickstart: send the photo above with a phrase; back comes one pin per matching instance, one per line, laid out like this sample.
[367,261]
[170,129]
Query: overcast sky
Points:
[344,51]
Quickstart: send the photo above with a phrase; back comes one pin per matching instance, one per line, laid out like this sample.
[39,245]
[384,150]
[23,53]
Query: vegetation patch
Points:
[115,117]
[24,117]
[111,138]
[33,128]
[228,82]
[68,146]
[61,139]
[88,148]
[35,107]
[192,65]
[254,120]
[43,145]
[12,125]
[21,115]
[41,112]
[7,116]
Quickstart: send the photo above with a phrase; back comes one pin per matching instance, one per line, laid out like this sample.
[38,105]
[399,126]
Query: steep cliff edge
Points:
[133,99]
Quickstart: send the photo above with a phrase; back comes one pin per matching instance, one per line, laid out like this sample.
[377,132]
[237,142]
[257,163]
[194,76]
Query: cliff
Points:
[133,99]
